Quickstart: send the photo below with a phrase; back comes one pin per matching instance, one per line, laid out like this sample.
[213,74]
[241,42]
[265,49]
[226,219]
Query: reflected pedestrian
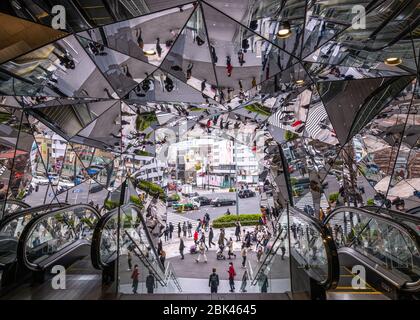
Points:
[135,278]
[140,41]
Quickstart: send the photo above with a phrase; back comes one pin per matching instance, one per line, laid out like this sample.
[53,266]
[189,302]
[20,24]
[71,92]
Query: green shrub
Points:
[333,197]
[259,109]
[136,200]
[290,136]
[144,120]
[175,197]
[293,181]
[231,189]
[152,189]
[228,221]
[109,204]
[370,202]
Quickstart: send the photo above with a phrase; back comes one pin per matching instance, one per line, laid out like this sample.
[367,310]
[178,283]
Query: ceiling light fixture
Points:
[284,30]
[300,82]
[150,52]
[393,61]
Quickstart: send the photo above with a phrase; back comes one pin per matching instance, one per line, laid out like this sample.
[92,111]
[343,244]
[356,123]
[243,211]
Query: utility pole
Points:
[236,176]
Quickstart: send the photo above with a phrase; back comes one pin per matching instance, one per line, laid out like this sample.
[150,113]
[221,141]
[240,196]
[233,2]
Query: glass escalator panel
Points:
[384,241]
[55,231]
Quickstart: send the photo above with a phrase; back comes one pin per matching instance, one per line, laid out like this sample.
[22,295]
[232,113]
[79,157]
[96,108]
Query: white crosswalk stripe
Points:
[316,115]
[307,200]
[175,218]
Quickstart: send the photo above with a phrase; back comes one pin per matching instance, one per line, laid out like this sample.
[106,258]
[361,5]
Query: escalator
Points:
[58,237]
[11,228]
[9,206]
[134,240]
[313,256]
[384,244]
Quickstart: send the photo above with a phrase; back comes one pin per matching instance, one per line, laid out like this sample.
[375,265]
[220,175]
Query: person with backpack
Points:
[150,282]
[135,278]
[202,253]
[214,281]
[232,274]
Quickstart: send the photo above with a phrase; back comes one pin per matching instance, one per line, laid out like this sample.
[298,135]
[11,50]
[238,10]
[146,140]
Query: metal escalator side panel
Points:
[383,240]
[314,228]
[46,236]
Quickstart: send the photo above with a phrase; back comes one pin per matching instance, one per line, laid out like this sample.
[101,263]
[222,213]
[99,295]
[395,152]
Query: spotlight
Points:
[150,52]
[284,30]
[393,61]
[300,82]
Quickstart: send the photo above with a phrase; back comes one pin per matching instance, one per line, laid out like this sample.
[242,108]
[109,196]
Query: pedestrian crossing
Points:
[316,115]
[175,218]
[307,200]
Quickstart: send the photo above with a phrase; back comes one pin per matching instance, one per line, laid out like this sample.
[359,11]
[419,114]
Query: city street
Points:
[246,206]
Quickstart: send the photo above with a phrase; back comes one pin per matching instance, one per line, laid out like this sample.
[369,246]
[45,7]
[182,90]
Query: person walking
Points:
[238,231]
[196,237]
[150,282]
[229,244]
[203,240]
[232,274]
[189,227]
[189,70]
[158,48]
[181,248]
[135,278]
[243,254]
[129,259]
[221,241]
[202,253]
[211,236]
[179,229]
[229,66]
[166,234]
[184,229]
[282,248]
[213,281]
[171,230]
[140,41]
[159,247]
[162,257]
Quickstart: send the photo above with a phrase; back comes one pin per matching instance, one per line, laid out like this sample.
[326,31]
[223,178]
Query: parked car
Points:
[191,194]
[95,187]
[218,202]
[40,180]
[204,201]
[246,193]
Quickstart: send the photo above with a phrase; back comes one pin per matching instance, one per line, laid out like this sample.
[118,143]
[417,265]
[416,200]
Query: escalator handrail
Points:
[400,216]
[27,231]
[15,201]
[30,210]
[330,248]
[399,226]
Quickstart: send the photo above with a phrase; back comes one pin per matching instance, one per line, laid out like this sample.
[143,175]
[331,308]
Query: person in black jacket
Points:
[171,230]
[211,236]
[150,282]
[179,229]
[214,281]
[181,248]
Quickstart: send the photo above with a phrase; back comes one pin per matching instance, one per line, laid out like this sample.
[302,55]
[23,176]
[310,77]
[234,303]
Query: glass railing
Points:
[313,248]
[134,240]
[49,235]
[172,284]
[410,221]
[8,207]
[11,228]
[385,241]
